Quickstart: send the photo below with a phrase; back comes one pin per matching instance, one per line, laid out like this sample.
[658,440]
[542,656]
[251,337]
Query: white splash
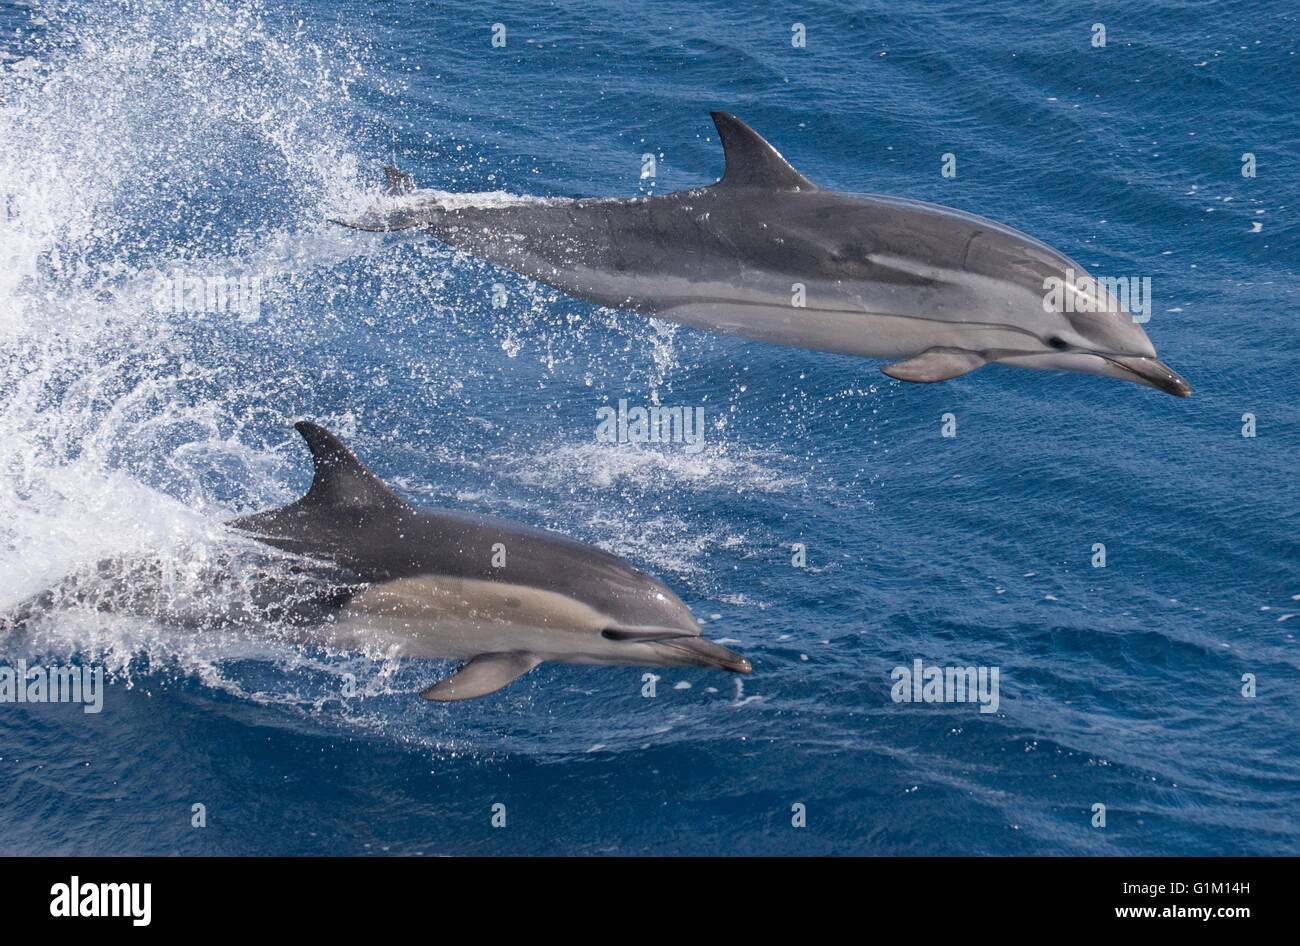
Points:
[121,426]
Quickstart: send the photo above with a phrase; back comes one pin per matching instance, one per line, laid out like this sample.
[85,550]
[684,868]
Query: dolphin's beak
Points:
[696,651]
[1153,373]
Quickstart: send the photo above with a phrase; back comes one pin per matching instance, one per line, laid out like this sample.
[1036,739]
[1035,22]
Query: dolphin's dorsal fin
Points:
[340,479]
[340,482]
[751,161]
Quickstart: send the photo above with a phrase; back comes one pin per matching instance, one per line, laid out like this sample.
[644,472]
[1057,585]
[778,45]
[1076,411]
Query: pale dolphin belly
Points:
[435,617]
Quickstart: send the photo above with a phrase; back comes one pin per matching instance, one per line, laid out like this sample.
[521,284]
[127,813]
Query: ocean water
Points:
[143,139]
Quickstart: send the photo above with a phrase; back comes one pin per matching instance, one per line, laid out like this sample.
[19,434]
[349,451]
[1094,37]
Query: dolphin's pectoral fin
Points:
[936,364]
[484,674]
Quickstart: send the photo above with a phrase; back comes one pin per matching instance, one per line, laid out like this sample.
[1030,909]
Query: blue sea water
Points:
[142,139]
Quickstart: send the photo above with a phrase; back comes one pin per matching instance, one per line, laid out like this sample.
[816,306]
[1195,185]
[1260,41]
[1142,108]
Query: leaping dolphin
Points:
[434,584]
[766,254]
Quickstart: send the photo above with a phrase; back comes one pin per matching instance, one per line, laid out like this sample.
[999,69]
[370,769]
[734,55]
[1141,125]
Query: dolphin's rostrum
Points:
[766,254]
[433,583]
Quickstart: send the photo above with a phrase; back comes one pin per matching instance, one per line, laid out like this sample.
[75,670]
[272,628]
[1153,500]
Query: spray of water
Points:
[172,298]
[141,145]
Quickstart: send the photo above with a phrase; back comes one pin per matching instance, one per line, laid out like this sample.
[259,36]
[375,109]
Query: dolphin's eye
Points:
[1058,343]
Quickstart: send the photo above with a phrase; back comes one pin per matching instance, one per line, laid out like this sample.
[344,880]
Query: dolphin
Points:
[503,597]
[766,254]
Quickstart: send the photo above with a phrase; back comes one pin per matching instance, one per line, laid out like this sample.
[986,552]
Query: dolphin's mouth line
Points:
[1152,372]
[1141,369]
[703,649]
